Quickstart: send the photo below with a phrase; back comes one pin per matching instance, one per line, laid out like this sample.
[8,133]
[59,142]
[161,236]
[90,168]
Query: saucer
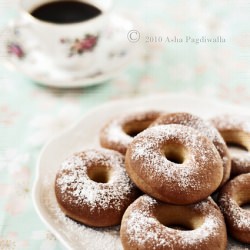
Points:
[21,52]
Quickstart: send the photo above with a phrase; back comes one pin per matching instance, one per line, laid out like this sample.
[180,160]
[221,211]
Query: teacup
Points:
[72,45]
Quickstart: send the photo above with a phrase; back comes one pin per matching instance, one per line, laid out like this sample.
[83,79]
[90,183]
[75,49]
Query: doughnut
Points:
[235,130]
[206,129]
[92,187]
[118,133]
[150,224]
[174,163]
[233,195]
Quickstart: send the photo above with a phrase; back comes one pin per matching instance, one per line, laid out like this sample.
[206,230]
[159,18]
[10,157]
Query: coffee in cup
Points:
[62,12]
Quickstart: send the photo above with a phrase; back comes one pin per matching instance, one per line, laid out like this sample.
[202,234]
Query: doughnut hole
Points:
[246,206]
[178,217]
[236,147]
[237,139]
[175,153]
[134,128]
[99,173]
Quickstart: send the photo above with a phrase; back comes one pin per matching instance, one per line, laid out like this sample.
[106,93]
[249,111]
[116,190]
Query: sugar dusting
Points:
[143,228]
[187,178]
[77,188]
[78,235]
[230,200]
[203,126]
[238,216]
[113,133]
[228,122]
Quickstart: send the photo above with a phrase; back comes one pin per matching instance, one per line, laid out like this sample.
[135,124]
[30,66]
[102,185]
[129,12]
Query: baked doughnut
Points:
[150,224]
[174,163]
[235,130]
[92,187]
[119,132]
[233,195]
[206,129]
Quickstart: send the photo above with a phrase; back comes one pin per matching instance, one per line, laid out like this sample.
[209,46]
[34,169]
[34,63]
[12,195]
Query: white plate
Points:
[84,134]
[21,52]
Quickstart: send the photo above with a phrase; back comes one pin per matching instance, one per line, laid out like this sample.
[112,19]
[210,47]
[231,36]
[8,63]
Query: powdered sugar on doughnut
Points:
[79,235]
[230,206]
[239,216]
[143,228]
[77,188]
[206,128]
[209,228]
[144,150]
[231,122]
[113,135]
[203,126]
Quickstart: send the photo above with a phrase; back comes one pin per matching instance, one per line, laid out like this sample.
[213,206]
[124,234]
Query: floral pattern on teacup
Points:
[13,48]
[79,46]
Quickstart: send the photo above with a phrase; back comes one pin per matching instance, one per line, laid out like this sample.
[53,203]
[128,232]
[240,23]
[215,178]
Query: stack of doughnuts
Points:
[156,175]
